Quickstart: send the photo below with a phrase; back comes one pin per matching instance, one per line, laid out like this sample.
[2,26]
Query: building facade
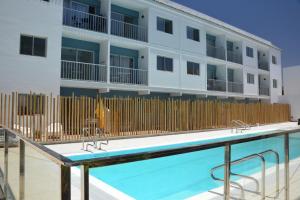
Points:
[136,47]
[291,92]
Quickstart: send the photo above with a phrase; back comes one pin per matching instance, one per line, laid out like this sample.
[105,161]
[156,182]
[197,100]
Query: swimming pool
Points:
[184,175]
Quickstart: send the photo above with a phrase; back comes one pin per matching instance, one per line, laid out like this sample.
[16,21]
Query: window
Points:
[33,46]
[211,40]
[77,55]
[164,25]
[250,78]
[274,60]
[121,61]
[193,33]
[275,83]
[31,104]
[193,68]
[229,46]
[164,64]
[249,52]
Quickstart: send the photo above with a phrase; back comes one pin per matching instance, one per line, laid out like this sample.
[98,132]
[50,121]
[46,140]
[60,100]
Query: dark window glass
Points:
[249,52]
[211,40]
[164,25]
[164,64]
[274,60]
[34,46]
[229,46]
[193,68]
[39,47]
[193,34]
[275,83]
[250,78]
[26,45]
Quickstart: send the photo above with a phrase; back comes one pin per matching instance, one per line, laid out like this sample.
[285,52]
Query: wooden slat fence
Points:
[59,119]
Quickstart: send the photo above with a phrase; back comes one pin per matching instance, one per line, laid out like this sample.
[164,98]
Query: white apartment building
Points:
[134,47]
[291,91]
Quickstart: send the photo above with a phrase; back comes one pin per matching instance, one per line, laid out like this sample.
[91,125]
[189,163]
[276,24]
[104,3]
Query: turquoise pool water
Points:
[184,175]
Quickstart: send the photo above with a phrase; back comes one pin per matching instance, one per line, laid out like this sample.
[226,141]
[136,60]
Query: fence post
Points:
[5,163]
[65,183]
[84,182]
[22,170]
[287,166]
[227,160]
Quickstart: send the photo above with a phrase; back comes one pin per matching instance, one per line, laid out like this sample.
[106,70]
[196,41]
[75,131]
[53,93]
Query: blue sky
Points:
[275,20]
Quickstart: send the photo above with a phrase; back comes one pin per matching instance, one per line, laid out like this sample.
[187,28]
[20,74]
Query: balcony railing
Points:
[234,57]
[84,20]
[71,70]
[128,30]
[130,76]
[235,87]
[264,65]
[216,85]
[264,91]
[215,52]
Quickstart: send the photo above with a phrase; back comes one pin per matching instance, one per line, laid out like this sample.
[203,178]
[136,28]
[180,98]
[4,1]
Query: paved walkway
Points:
[124,144]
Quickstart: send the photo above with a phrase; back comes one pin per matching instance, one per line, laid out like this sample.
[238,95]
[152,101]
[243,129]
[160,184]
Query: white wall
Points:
[250,89]
[29,73]
[193,82]
[164,79]
[291,83]
[275,73]
[249,61]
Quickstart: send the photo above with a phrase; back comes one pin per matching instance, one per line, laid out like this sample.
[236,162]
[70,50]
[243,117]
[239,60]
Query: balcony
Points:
[264,91]
[235,87]
[215,52]
[234,57]
[264,65]
[216,85]
[128,30]
[122,75]
[84,20]
[71,70]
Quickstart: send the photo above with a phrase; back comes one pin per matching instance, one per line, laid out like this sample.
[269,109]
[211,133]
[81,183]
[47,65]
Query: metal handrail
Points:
[66,163]
[247,158]
[125,75]
[264,91]
[216,85]
[215,52]
[235,57]
[72,70]
[235,87]
[244,159]
[84,20]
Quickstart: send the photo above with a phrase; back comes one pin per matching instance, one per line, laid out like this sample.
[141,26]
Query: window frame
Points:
[193,33]
[249,52]
[164,20]
[250,77]
[78,49]
[33,44]
[275,83]
[164,67]
[194,65]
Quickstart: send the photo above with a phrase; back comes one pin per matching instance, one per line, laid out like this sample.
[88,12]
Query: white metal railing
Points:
[235,57]
[128,75]
[71,70]
[216,85]
[265,91]
[235,87]
[264,65]
[84,20]
[128,30]
[215,52]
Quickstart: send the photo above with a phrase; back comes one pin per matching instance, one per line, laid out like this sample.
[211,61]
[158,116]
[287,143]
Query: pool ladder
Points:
[261,157]
[239,125]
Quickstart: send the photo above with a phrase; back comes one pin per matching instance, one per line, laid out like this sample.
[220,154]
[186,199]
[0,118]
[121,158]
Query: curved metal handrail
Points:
[244,159]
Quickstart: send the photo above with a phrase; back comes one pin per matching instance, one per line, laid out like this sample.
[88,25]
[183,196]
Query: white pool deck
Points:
[100,190]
